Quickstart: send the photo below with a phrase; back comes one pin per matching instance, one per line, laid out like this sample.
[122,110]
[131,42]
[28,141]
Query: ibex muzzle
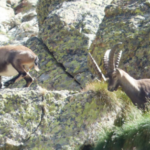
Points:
[113,81]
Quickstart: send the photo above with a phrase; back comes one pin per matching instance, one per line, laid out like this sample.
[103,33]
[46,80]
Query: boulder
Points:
[13,3]
[128,22]
[3,39]
[68,28]
[25,5]
[52,75]
[25,26]
[34,118]
[5,17]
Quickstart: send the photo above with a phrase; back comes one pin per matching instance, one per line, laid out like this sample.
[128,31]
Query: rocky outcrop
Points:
[25,5]
[5,16]
[17,24]
[66,30]
[34,118]
[16,29]
[51,76]
[128,22]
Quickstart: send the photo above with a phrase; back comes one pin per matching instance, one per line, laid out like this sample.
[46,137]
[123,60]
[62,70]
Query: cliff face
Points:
[61,33]
[128,22]
[34,118]
[69,29]
[18,21]
[66,30]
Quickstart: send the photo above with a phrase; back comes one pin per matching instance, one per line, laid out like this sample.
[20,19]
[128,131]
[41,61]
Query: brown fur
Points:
[21,59]
[137,90]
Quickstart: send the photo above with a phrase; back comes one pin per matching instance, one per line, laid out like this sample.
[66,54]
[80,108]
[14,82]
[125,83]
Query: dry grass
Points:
[114,100]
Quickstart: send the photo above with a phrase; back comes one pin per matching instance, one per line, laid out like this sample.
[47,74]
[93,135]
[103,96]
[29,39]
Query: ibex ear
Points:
[118,72]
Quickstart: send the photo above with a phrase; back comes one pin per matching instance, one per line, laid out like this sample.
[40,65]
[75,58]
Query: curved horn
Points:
[100,74]
[118,59]
[111,57]
[106,59]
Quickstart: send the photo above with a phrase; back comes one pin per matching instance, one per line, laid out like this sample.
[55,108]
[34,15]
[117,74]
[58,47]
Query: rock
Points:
[13,3]
[127,22]
[3,3]
[52,75]
[34,118]
[26,26]
[3,40]
[67,29]
[2,29]
[25,5]
[5,17]
[25,30]
[29,16]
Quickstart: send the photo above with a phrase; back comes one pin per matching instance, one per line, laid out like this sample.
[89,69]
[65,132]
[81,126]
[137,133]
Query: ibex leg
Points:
[0,82]
[13,80]
[28,79]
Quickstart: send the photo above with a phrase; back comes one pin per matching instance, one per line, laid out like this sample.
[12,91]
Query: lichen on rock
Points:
[36,118]
[51,75]
[125,21]
[69,30]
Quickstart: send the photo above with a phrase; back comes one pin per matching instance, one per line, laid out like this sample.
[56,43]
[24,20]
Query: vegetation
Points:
[115,99]
[131,130]
[133,135]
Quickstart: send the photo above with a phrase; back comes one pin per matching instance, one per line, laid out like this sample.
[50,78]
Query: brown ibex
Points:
[17,60]
[137,90]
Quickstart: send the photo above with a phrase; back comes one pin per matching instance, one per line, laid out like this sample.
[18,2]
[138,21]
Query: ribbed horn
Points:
[96,67]
[112,58]
[118,59]
[106,59]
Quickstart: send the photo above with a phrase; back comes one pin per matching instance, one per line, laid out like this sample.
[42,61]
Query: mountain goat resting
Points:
[137,90]
[17,60]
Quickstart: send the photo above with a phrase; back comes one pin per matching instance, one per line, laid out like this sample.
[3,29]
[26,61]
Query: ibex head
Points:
[113,72]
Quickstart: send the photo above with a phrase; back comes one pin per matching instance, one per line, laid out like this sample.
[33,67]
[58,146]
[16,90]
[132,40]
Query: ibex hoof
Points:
[25,86]
[6,84]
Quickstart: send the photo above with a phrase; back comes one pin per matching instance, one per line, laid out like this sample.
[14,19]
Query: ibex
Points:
[137,90]
[17,60]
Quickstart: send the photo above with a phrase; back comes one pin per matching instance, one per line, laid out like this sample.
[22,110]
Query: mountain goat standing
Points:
[137,90]
[17,60]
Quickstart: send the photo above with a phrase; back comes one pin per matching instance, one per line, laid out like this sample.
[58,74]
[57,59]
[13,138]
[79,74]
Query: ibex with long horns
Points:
[137,90]
[17,60]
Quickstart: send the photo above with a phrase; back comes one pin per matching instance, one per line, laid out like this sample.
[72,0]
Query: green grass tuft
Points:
[132,135]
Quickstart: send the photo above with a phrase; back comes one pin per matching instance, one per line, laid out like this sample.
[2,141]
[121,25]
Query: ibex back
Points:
[17,60]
